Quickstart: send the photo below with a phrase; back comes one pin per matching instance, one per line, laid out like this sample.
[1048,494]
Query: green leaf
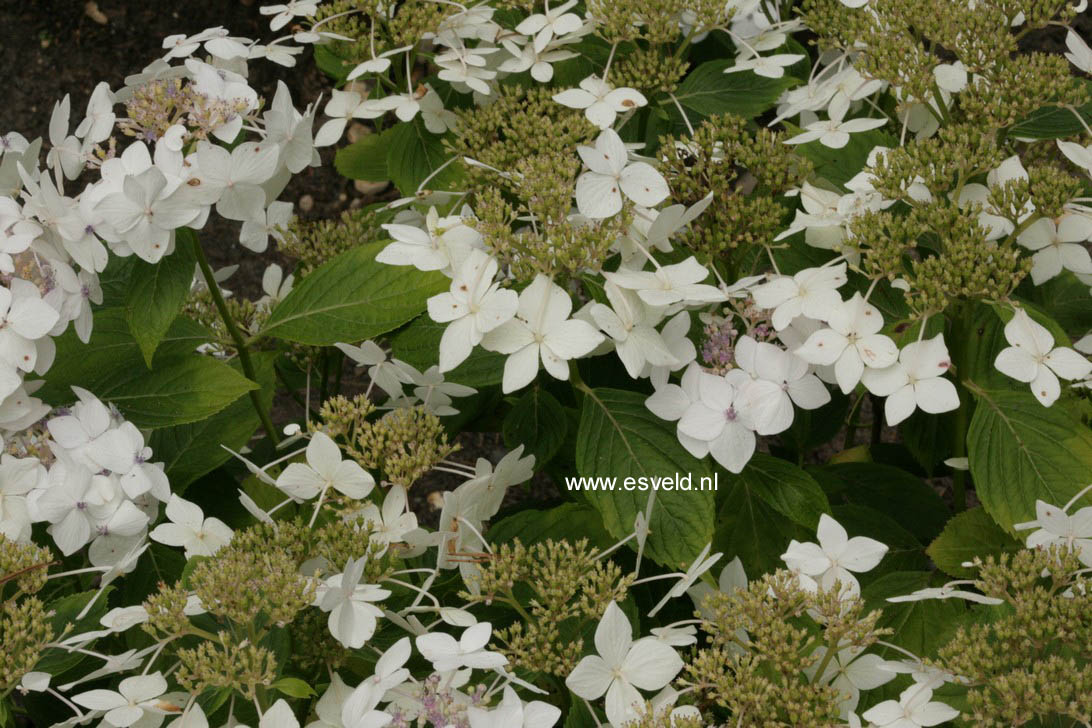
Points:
[537,421]
[709,91]
[569,521]
[351,298]
[191,450]
[419,344]
[921,626]
[1053,122]
[157,292]
[969,534]
[1021,451]
[414,153]
[619,438]
[184,390]
[749,527]
[111,354]
[895,492]
[293,687]
[786,488]
[364,159]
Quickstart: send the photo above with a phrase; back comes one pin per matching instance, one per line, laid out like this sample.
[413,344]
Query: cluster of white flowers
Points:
[819,335]
[93,485]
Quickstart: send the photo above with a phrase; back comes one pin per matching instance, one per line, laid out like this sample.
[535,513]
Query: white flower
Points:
[672,401]
[513,713]
[484,493]
[948,591]
[467,66]
[325,469]
[849,672]
[446,653]
[343,107]
[915,381]
[275,285]
[433,392]
[601,102]
[145,213]
[1055,526]
[290,131]
[24,318]
[719,421]
[74,503]
[599,190]
[474,306]
[554,22]
[780,379]
[393,522]
[377,63]
[1032,357]
[851,343]
[813,292]
[836,555]
[542,330]
[353,617]
[668,284]
[283,13]
[189,528]
[835,132]
[1057,246]
[438,120]
[913,709]
[359,711]
[135,698]
[621,667]
[387,375]
[122,451]
[233,179]
[768,66]
[443,245]
[997,223]
[631,324]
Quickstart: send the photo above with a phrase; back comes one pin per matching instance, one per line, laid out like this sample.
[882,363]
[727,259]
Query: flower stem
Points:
[237,336]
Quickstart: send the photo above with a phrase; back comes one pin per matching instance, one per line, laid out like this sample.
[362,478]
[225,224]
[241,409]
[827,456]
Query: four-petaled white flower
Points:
[1032,357]
[1055,526]
[325,469]
[135,698]
[189,528]
[1058,246]
[446,653]
[474,306]
[622,666]
[849,672]
[915,708]
[851,343]
[813,292]
[779,379]
[541,330]
[830,561]
[834,133]
[514,713]
[353,616]
[669,284]
[768,66]
[915,381]
[610,175]
[600,101]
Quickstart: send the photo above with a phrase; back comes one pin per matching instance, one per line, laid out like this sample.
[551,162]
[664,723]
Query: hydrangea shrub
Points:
[789,302]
